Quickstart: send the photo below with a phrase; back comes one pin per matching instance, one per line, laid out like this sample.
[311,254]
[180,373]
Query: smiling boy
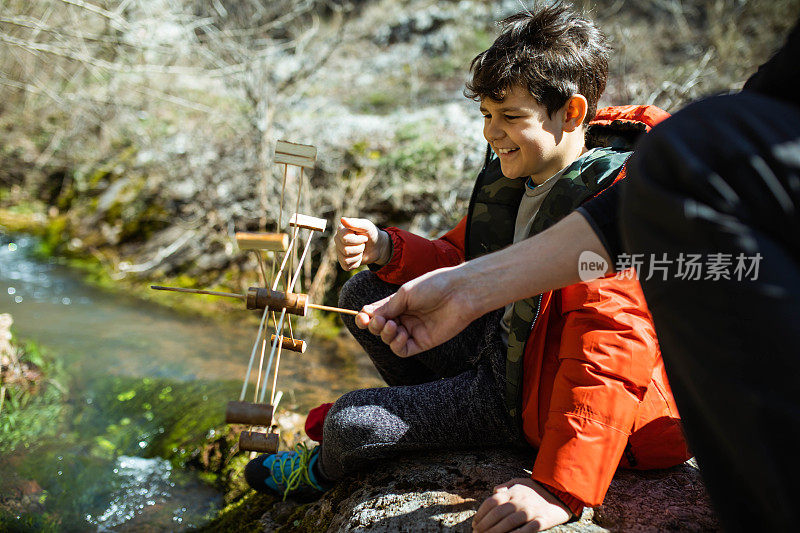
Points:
[574,373]
[528,141]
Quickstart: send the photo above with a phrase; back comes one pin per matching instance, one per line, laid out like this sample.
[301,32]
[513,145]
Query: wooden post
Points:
[260,298]
[294,345]
[251,414]
[252,441]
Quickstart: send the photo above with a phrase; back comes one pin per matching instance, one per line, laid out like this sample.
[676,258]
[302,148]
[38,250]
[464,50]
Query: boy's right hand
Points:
[519,505]
[360,242]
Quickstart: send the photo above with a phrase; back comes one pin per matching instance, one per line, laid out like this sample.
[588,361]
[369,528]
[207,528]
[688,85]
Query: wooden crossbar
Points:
[273,242]
[302,155]
[308,222]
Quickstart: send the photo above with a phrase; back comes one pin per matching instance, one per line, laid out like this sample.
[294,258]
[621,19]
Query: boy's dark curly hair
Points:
[552,51]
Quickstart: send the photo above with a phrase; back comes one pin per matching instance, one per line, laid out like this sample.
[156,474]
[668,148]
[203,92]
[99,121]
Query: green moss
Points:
[22,217]
[328,326]
[420,154]
[67,194]
[301,521]
[153,417]
[25,522]
[17,207]
[122,158]
[135,211]
[33,411]
[396,92]
[456,63]
[127,416]
[94,271]
[54,235]
[142,220]
[243,515]
[380,102]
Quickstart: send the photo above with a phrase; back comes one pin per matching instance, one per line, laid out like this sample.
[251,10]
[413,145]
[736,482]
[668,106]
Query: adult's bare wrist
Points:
[471,286]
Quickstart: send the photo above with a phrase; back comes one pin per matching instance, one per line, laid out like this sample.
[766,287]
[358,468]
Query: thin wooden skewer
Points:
[243,297]
[333,309]
[261,266]
[198,291]
[285,258]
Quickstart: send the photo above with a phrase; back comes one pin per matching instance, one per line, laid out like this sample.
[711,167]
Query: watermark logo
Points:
[591,266]
[684,266]
[689,267]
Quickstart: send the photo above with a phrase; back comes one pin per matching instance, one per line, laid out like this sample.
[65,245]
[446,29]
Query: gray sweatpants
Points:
[446,398]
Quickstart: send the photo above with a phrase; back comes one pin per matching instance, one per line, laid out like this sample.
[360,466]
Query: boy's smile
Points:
[528,142]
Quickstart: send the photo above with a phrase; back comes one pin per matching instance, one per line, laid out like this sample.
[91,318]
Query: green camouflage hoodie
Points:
[490,226]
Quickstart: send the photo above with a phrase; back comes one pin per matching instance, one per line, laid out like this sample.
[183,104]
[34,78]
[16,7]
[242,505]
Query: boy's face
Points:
[527,141]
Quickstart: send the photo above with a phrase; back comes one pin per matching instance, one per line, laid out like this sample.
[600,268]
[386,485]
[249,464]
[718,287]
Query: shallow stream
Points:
[104,469]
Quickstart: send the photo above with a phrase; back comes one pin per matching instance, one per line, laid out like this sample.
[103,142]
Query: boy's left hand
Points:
[520,504]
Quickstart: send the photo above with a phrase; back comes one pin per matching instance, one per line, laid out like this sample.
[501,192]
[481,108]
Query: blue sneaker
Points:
[285,472]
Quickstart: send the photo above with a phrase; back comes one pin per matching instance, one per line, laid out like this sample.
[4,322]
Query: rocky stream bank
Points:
[441,492]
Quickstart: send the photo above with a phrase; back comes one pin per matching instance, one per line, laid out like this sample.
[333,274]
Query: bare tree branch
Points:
[120,22]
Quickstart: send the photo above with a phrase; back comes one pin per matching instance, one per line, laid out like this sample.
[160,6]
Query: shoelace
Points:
[299,469]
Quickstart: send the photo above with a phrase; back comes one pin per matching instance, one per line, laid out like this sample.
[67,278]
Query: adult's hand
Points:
[433,308]
[360,242]
[423,313]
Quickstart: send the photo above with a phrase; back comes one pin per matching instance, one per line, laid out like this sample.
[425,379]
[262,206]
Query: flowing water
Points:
[107,341]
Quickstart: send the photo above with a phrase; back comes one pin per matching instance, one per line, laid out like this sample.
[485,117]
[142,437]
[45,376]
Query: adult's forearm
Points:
[433,308]
[544,262]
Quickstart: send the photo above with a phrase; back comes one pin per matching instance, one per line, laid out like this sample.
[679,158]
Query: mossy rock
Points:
[33,406]
[245,515]
[154,417]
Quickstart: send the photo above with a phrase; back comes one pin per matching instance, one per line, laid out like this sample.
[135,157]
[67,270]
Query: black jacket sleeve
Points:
[601,212]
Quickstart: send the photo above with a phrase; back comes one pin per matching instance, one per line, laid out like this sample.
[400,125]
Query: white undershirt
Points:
[530,204]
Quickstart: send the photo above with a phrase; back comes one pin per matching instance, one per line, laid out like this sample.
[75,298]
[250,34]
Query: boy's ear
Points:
[574,112]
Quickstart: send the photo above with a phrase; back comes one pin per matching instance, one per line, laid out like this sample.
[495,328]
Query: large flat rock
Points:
[442,491]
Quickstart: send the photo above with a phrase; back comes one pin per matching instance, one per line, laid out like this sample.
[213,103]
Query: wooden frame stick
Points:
[275,344]
[253,354]
[199,291]
[244,297]
[260,367]
[275,379]
[285,259]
